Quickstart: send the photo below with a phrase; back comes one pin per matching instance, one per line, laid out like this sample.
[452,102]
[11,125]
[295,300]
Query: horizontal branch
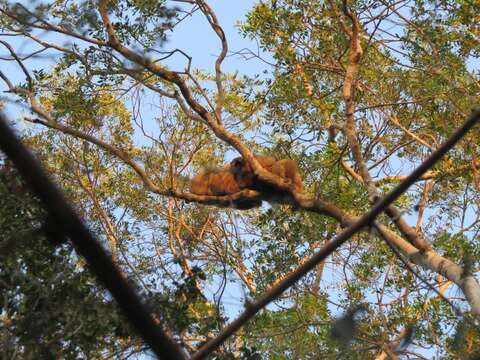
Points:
[106,146]
[434,174]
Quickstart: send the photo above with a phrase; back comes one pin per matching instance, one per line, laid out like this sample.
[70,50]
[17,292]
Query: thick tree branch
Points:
[222,201]
[350,130]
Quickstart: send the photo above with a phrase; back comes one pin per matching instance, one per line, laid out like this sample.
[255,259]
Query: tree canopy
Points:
[357,93]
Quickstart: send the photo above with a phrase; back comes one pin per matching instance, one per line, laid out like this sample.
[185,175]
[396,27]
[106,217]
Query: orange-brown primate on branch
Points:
[238,175]
[284,168]
[219,182]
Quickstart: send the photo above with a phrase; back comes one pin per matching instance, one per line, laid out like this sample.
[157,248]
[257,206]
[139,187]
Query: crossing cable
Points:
[366,220]
[85,243]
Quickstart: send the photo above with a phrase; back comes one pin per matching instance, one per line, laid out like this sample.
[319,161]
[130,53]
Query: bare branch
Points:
[17,59]
[48,26]
[394,120]
[7,81]
[110,148]
[212,19]
[457,311]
